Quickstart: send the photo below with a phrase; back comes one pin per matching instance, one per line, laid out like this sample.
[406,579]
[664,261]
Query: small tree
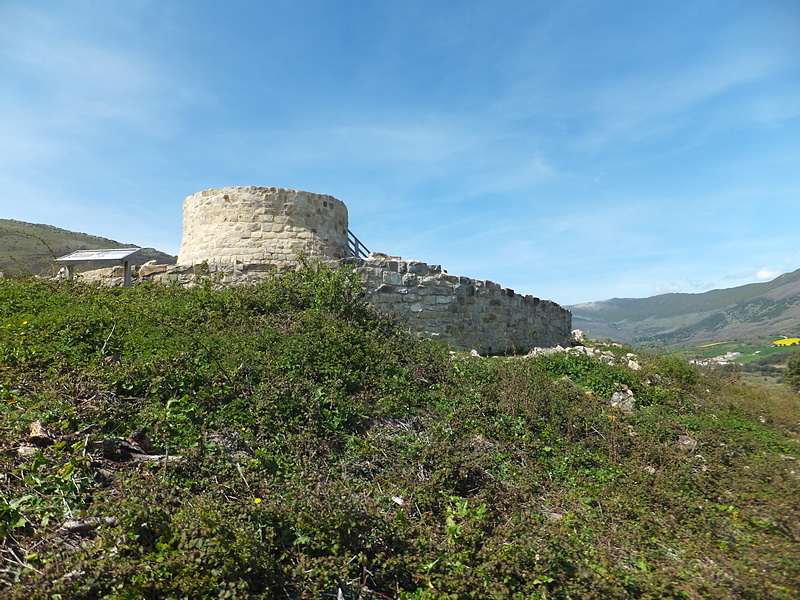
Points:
[792,376]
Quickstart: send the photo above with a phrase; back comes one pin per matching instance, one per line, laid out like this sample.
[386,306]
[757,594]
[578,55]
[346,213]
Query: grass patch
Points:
[327,452]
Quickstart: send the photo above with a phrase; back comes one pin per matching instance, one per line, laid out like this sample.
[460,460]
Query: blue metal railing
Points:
[355,246]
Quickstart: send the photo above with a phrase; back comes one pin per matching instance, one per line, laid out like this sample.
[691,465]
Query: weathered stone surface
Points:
[687,442]
[261,224]
[624,401]
[466,313]
[149,269]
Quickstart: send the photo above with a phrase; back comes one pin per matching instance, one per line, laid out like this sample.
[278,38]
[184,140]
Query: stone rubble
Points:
[624,401]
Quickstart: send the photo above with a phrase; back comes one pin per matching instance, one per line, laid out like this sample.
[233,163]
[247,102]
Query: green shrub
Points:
[792,375]
[327,452]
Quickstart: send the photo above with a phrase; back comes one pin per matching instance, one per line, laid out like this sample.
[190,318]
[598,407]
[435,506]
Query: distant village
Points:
[724,359]
[728,357]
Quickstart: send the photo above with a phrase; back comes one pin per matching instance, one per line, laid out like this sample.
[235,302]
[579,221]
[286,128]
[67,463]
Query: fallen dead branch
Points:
[136,448]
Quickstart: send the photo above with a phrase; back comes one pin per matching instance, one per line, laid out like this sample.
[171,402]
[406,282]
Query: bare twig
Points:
[17,560]
[239,468]
[103,349]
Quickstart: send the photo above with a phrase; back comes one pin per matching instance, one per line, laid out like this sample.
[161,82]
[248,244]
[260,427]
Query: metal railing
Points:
[355,246]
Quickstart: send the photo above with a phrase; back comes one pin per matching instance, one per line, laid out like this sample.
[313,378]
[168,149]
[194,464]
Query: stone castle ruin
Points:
[261,228]
[242,234]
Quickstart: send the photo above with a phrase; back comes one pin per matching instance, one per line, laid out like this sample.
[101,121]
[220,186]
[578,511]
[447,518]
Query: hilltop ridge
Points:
[31,247]
[752,311]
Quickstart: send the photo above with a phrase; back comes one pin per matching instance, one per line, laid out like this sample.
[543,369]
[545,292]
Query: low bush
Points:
[326,452]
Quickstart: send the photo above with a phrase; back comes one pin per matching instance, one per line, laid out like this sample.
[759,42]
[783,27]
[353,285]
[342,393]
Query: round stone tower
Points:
[262,226]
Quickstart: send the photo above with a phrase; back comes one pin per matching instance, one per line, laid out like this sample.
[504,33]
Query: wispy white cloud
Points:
[68,76]
[767,274]
[671,288]
[636,99]
[649,105]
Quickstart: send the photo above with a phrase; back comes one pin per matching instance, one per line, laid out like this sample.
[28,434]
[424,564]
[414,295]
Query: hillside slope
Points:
[758,310]
[31,247]
[283,440]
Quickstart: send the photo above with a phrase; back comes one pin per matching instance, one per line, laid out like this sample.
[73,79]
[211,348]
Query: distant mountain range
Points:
[32,248]
[749,312]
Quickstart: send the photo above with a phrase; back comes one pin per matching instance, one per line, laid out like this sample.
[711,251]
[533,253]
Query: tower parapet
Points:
[262,226]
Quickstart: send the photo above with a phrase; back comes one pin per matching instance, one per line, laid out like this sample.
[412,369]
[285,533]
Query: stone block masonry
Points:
[261,226]
[464,312]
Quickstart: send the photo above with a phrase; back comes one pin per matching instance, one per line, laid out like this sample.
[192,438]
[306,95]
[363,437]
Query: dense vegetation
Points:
[792,375]
[327,453]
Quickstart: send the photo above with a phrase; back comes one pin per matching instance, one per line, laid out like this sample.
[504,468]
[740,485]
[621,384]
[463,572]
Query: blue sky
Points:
[575,151]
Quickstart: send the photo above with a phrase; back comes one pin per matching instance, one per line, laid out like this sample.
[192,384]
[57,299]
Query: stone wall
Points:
[238,235]
[261,226]
[464,312]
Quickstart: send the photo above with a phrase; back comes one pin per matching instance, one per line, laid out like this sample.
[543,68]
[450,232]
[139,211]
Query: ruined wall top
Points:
[464,312]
